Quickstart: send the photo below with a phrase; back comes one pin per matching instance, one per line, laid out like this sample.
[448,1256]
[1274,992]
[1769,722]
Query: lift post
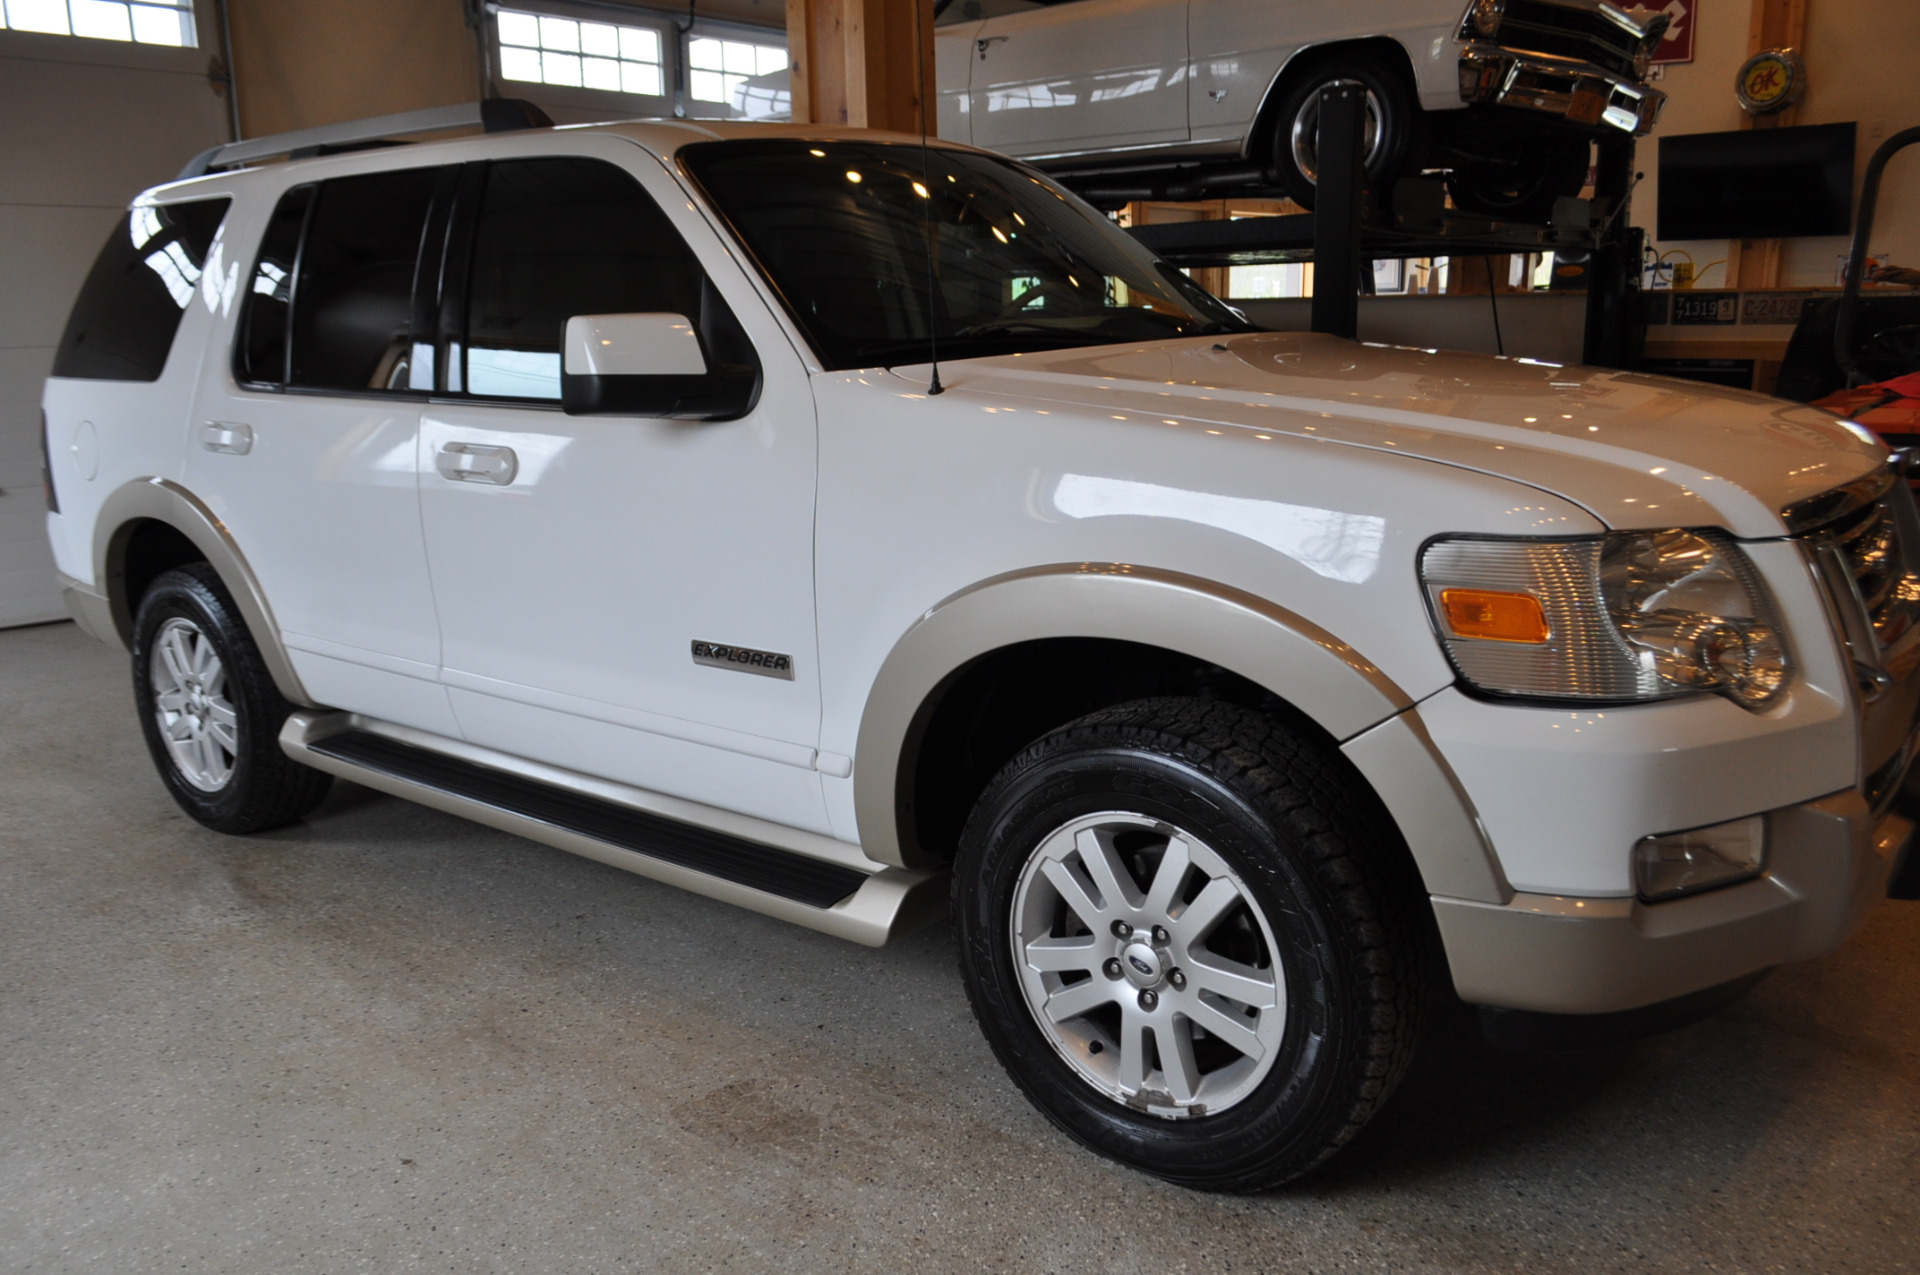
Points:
[1339,209]
[1613,282]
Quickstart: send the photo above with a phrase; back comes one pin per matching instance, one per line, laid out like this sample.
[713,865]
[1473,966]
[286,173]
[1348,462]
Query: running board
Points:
[586,817]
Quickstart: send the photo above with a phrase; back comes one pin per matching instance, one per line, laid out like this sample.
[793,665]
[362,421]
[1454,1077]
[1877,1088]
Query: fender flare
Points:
[1322,676]
[165,501]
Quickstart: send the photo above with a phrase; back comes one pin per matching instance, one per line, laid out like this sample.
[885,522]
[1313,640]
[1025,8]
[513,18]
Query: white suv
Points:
[1157,99]
[1249,688]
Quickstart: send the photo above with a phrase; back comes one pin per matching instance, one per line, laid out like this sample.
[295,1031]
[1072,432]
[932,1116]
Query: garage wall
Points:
[303,63]
[85,125]
[1863,62]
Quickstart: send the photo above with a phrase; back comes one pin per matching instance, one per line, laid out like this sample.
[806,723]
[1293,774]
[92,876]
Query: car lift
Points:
[1348,230]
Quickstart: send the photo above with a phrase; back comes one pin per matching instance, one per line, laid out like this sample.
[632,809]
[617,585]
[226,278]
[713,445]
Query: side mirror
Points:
[649,365]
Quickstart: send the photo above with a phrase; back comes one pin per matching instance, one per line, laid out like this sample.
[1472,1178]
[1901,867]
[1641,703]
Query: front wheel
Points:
[1182,937]
[210,710]
[1523,183]
[1389,143]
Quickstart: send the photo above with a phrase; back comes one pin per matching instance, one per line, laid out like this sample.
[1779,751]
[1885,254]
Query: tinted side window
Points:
[261,353]
[556,238]
[353,293]
[123,323]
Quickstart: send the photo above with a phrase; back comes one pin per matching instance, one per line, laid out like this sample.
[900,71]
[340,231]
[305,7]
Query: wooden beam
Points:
[862,63]
[1772,24]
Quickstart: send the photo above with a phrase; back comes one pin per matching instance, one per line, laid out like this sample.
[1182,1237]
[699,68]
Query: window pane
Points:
[707,86]
[560,68]
[599,39]
[601,73]
[101,20]
[353,302]
[160,26]
[705,54]
[560,237]
[519,28]
[738,57]
[644,80]
[260,349]
[640,45]
[38,15]
[123,323]
[769,59]
[519,64]
[560,33]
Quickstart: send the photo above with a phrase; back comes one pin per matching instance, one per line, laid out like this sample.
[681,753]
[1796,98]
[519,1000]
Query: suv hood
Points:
[1636,451]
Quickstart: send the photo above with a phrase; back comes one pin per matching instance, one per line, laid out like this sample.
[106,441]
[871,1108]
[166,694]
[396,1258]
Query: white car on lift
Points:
[1138,99]
[1241,687]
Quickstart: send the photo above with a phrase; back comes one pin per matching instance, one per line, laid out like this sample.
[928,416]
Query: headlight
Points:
[1485,16]
[1641,615]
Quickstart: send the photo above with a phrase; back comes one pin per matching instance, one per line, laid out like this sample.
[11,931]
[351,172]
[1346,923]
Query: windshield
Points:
[841,229]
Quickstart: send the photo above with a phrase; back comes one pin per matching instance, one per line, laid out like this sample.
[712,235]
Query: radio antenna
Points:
[926,200]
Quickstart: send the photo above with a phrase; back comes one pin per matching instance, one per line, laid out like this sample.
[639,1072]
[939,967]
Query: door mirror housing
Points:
[649,365]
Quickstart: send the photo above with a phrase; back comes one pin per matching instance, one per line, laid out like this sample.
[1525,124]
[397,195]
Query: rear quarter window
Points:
[123,324]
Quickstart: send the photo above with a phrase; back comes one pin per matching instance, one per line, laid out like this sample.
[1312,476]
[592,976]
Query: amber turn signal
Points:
[1498,617]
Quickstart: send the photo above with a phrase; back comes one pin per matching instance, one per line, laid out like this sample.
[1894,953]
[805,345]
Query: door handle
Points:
[227,436]
[987,42]
[474,463]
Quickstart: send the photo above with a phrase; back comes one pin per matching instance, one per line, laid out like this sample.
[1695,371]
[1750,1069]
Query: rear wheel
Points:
[210,710]
[1392,121]
[1181,938]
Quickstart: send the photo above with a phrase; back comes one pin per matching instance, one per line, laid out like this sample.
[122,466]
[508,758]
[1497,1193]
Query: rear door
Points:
[1080,75]
[579,562]
[304,441]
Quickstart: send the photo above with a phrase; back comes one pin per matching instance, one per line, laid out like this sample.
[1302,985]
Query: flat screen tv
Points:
[1763,183]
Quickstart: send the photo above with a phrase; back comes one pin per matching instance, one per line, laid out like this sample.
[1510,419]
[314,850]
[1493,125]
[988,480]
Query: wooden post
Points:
[862,63]
[1774,24]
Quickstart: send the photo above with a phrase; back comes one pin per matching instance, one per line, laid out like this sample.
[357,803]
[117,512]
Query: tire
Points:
[1304,920]
[1523,188]
[1393,122]
[210,711]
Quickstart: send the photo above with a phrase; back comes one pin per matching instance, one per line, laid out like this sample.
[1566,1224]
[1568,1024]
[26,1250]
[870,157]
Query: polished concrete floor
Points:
[388,1040]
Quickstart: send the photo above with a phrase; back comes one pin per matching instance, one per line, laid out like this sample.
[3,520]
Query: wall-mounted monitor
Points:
[1762,183]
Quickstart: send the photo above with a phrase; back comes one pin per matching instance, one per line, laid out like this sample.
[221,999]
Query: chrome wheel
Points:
[197,720]
[1147,965]
[1304,136]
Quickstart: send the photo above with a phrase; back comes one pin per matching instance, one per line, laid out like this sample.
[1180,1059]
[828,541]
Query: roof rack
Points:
[495,115]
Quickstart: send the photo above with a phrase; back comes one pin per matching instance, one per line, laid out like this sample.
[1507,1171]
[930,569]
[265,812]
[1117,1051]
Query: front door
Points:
[579,563]
[1081,75]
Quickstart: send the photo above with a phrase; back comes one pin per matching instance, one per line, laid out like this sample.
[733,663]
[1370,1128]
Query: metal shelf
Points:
[1347,231]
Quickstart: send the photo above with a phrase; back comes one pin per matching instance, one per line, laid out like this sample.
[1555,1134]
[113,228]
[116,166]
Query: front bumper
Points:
[1579,92]
[1829,862]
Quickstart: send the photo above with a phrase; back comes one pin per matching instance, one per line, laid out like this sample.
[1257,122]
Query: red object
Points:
[1677,44]
[1891,409]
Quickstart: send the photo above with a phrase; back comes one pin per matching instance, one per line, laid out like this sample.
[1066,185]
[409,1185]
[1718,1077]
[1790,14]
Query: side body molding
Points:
[165,501]
[1297,660]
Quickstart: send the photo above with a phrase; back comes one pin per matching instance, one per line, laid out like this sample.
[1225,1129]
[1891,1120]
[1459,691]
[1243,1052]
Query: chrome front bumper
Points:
[1576,91]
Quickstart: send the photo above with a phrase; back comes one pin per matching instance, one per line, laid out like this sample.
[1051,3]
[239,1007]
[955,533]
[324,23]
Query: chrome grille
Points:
[1870,541]
[1599,34]
[1863,541]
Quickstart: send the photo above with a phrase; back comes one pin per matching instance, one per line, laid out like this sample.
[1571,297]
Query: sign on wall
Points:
[1677,44]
